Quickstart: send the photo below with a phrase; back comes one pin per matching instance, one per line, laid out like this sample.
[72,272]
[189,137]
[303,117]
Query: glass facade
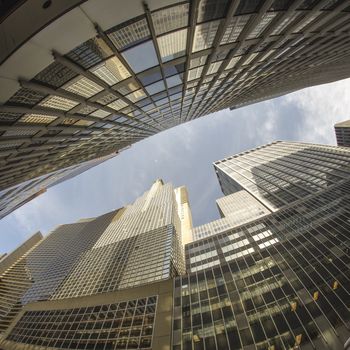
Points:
[16,196]
[275,283]
[198,57]
[137,245]
[257,278]
[124,325]
[283,172]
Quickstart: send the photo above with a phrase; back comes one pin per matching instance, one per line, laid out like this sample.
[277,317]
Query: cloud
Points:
[322,106]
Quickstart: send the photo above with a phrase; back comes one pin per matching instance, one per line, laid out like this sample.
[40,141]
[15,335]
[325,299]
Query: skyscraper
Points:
[138,245]
[68,98]
[282,279]
[258,278]
[14,197]
[283,172]
[279,282]
[235,209]
[342,133]
[14,280]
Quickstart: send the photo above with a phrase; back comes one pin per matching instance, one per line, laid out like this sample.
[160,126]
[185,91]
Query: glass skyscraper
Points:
[113,254]
[84,78]
[279,282]
[141,277]
[282,279]
[281,173]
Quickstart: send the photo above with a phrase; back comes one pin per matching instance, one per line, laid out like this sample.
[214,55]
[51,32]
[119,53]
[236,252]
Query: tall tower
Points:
[14,280]
[281,279]
[129,255]
[65,99]
[141,245]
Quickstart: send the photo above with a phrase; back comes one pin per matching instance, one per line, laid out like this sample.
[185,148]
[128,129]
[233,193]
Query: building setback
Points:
[258,278]
[65,99]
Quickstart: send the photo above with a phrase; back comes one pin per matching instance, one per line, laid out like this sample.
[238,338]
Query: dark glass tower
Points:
[278,282]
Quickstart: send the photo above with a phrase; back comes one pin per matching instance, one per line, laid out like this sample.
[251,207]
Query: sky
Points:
[182,155]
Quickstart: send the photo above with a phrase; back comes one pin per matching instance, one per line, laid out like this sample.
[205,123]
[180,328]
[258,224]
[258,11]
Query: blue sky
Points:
[183,156]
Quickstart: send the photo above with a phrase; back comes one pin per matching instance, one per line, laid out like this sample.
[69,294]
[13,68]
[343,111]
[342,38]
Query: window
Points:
[174,80]
[111,71]
[141,57]
[170,19]
[129,35]
[204,35]
[234,29]
[83,87]
[172,45]
[155,87]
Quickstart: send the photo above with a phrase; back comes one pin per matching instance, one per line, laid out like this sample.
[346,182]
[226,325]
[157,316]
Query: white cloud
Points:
[323,106]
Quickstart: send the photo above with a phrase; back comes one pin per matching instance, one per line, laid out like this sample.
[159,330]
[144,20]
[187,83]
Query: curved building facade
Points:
[83,79]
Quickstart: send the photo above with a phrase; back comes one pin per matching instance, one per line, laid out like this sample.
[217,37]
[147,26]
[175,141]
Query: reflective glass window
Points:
[261,26]
[99,114]
[84,87]
[204,35]
[195,73]
[136,95]
[118,105]
[57,102]
[174,80]
[234,29]
[211,9]
[172,70]
[155,87]
[199,61]
[129,35]
[127,88]
[111,71]
[141,57]
[162,101]
[172,45]
[248,6]
[171,18]
[151,76]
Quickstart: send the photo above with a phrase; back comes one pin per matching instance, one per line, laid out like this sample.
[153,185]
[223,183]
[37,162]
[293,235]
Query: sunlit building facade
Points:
[281,173]
[14,280]
[129,255]
[68,98]
[279,282]
[235,209]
